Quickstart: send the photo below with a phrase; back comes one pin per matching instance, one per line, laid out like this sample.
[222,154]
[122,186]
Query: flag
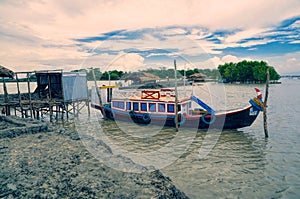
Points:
[259,95]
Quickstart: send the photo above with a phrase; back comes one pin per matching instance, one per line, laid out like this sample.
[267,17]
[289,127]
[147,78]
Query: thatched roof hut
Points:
[141,77]
[197,77]
[5,72]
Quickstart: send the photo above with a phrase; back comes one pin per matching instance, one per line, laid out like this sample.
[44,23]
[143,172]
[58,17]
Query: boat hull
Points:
[227,120]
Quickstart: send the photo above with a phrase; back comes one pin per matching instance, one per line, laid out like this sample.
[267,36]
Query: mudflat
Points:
[39,160]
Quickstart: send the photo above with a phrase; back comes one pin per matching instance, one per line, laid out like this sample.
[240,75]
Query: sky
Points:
[132,35]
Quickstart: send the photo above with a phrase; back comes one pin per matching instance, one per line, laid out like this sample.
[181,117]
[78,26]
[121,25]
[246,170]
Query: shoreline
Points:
[39,160]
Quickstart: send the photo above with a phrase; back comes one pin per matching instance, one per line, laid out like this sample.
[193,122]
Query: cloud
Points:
[127,62]
[122,61]
[286,64]
[44,34]
[230,58]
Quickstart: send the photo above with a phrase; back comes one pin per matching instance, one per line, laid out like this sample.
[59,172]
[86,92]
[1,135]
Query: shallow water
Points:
[243,163]
[206,164]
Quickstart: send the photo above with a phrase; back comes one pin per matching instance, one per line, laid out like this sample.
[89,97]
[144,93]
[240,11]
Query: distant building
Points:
[197,77]
[141,78]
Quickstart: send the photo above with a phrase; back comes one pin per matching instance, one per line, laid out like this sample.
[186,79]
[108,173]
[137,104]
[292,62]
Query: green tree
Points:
[273,74]
[245,71]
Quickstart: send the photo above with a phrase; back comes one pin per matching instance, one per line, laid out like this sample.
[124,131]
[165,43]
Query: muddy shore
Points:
[39,160]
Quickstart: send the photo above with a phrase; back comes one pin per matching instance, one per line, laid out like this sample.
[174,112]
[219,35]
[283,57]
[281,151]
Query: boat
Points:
[157,106]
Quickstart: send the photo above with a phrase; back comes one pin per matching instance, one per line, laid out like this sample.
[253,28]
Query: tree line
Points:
[247,71]
[112,75]
[162,73]
[244,71]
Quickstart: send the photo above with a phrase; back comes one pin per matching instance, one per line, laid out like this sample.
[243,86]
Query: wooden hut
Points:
[5,73]
[197,77]
[56,92]
[141,78]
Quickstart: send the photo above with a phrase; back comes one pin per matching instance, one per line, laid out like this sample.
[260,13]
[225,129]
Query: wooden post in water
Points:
[265,104]
[176,97]
[19,95]
[7,107]
[98,93]
[29,94]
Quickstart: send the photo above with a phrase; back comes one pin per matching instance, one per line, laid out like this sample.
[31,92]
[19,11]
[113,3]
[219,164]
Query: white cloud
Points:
[39,33]
[295,42]
[127,62]
[249,33]
[226,59]
[286,64]
[230,58]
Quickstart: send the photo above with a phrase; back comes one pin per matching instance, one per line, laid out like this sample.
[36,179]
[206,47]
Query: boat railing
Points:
[126,94]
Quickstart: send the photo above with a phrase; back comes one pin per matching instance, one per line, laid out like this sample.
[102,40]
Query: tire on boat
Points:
[212,118]
[131,114]
[146,117]
[181,119]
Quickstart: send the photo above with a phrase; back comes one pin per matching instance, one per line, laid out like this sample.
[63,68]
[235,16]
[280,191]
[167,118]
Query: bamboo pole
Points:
[265,104]
[176,97]
[98,93]
[19,95]
[29,94]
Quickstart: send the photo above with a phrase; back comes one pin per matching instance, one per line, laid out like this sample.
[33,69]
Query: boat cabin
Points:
[153,101]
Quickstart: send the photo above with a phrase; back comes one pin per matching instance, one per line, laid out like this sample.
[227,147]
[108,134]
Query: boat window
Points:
[128,105]
[121,105]
[118,104]
[115,104]
[152,107]
[143,106]
[135,106]
[161,107]
[170,108]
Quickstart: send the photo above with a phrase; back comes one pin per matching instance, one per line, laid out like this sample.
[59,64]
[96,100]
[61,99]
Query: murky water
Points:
[243,163]
[205,164]
[210,164]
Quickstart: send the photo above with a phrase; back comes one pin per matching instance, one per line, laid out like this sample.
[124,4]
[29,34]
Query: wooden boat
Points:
[158,107]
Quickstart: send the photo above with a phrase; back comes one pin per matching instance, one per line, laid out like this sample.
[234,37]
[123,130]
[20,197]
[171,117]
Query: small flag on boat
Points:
[259,95]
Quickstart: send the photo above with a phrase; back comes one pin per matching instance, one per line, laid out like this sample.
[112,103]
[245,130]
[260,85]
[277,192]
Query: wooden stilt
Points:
[77,108]
[88,106]
[19,94]
[7,111]
[29,94]
[51,112]
[73,106]
[57,111]
[62,111]
[67,110]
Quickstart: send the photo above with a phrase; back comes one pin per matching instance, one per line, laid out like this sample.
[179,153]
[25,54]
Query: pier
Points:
[58,94]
